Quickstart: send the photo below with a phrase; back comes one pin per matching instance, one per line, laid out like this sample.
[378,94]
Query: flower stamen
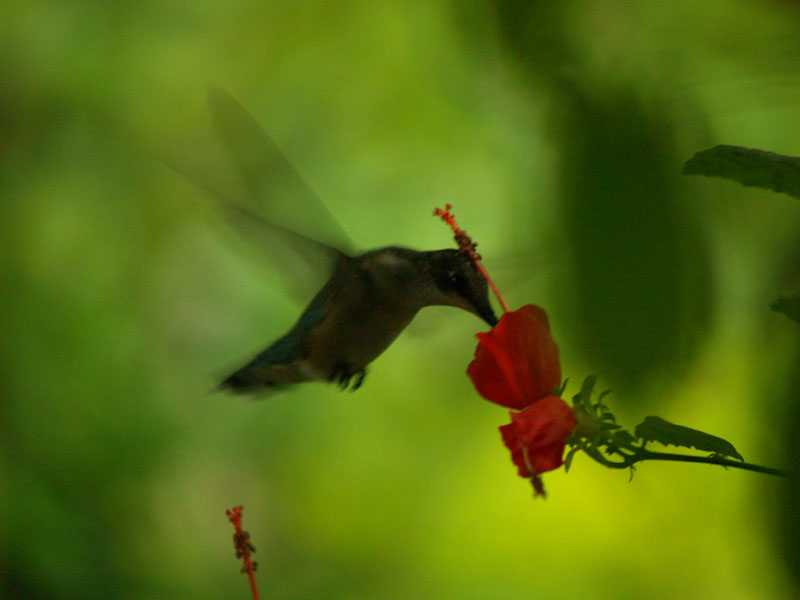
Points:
[468,249]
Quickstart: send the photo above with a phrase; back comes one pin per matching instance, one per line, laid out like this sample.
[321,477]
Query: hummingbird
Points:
[367,299]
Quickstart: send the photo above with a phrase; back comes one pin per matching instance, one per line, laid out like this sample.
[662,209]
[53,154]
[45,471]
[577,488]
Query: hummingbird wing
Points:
[278,191]
[268,201]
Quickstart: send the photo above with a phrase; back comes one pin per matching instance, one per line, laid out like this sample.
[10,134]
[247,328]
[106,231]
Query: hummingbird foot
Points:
[359,379]
[343,373]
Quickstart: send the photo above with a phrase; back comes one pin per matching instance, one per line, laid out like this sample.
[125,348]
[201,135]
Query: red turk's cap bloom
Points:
[537,435]
[516,363]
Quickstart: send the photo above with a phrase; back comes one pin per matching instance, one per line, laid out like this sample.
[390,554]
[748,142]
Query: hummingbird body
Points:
[368,298]
[359,312]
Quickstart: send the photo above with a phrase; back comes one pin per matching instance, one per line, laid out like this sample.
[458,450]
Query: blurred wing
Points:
[276,190]
[268,201]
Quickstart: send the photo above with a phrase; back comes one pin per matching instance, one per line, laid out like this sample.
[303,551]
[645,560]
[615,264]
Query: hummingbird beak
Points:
[483,308]
[487,314]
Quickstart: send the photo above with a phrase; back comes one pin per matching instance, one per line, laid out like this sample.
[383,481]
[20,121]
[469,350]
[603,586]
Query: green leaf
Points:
[568,458]
[748,166]
[788,305]
[658,430]
[585,395]
[624,439]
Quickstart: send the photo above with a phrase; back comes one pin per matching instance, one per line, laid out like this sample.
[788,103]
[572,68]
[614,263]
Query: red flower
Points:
[537,435]
[516,363]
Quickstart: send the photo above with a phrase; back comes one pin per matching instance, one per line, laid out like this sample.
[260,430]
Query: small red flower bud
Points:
[243,547]
[516,363]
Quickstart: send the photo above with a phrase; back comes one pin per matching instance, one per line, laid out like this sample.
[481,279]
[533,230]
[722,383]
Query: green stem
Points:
[640,454]
[710,460]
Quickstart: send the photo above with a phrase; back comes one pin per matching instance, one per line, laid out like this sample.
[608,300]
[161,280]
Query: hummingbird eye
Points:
[458,283]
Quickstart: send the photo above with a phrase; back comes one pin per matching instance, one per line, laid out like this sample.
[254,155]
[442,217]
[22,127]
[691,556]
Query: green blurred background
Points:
[558,131]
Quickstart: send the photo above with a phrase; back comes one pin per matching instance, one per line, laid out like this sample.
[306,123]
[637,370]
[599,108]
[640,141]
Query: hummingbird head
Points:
[458,283]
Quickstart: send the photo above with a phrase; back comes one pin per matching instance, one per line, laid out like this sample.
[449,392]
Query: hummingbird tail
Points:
[247,380]
[263,375]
